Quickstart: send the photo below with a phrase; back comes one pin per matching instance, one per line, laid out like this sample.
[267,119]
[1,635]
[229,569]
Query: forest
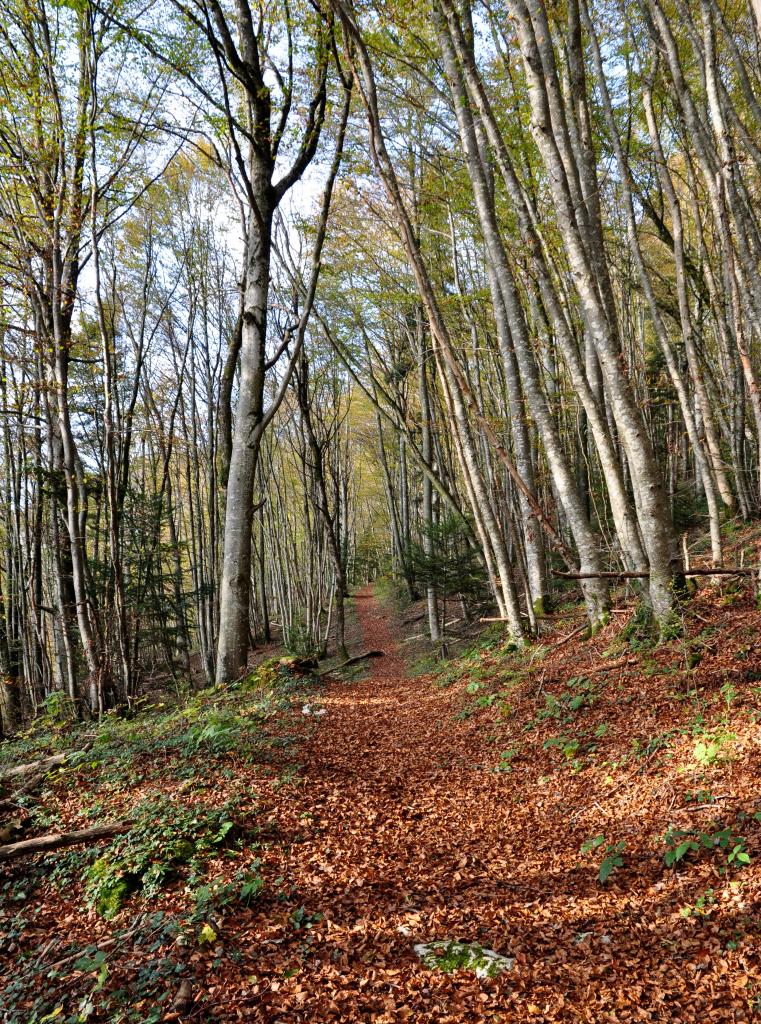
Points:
[380,510]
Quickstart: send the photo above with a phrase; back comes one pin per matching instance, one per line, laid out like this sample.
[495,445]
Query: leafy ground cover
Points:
[588,809]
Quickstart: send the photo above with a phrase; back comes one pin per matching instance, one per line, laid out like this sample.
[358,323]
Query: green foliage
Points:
[165,837]
[613,859]
[646,747]
[452,566]
[689,508]
[711,749]
[506,759]
[701,907]
[392,591]
[612,855]
[58,710]
[301,919]
[299,640]
[38,992]
[641,631]
[681,843]
[579,693]
[211,723]
[219,894]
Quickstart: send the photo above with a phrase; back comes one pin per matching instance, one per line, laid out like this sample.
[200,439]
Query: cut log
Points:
[58,840]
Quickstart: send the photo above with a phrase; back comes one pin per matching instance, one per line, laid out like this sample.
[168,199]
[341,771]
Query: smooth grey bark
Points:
[551,137]
[677,379]
[426,448]
[246,63]
[588,388]
[515,345]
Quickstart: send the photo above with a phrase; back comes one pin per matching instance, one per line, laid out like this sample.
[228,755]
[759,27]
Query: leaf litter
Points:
[405,824]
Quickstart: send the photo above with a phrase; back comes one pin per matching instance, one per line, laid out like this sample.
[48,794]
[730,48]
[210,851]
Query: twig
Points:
[570,636]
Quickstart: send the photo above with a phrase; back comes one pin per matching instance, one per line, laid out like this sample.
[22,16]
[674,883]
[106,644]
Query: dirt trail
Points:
[384,846]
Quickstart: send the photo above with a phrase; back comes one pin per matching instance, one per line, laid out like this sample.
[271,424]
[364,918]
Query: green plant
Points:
[301,918]
[165,836]
[711,750]
[298,640]
[58,710]
[612,855]
[579,693]
[569,746]
[641,631]
[680,843]
[646,747]
[729,693]
[218,894]
[701,796]
[701,907]
[506,759]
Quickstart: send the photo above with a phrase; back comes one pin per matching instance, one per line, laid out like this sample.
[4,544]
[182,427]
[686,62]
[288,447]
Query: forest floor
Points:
[588,808]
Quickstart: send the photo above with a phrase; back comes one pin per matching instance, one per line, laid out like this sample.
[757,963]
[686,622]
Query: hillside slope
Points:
[589,809]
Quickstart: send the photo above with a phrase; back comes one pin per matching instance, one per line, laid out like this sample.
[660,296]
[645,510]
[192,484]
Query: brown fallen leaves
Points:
[401,831]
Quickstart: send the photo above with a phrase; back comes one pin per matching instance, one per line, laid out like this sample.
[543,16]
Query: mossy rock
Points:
[449,955]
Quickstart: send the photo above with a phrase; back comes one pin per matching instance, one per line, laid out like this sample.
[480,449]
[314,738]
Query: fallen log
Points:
[58,840]
[45,764]
[352,661]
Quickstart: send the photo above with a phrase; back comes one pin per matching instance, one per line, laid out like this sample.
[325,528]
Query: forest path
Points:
[395,840]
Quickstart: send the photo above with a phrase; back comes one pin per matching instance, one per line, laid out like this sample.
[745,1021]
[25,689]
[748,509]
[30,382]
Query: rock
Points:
[310,709]
[450,955]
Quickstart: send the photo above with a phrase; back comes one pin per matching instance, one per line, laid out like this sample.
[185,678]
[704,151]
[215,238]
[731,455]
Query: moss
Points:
[599,624]
[450,956]
[670,628]
[113,888]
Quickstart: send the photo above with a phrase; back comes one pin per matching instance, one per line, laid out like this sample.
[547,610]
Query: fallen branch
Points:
[33,782]
[58,840]
[609,666]
[352,661]
[570,636]
[555,616]
[735,570]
